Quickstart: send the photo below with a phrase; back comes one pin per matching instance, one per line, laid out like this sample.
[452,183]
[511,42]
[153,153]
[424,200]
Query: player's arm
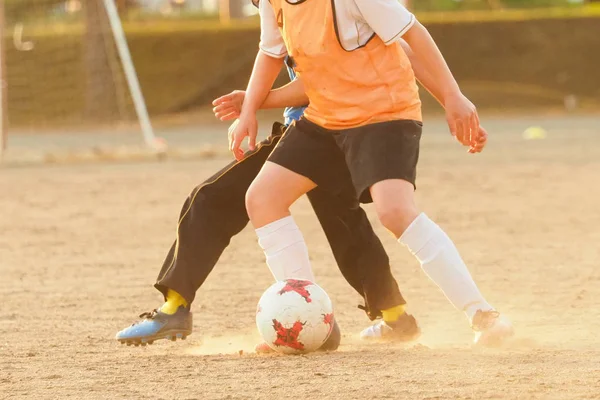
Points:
[392,21]
[424,77]
[460,112]
[289,95]
[269,61]
[229,106]
[265,71]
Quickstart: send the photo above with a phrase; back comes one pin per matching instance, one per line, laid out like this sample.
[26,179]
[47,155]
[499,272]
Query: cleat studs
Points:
[173,338]
[150,341]
[144,344]
[128,343]
[183,337]
[179,335]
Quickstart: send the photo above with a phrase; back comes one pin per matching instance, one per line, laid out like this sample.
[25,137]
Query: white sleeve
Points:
[271,41]
[389,19]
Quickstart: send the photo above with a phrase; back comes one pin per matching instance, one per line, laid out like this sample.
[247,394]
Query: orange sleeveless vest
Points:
[346,89]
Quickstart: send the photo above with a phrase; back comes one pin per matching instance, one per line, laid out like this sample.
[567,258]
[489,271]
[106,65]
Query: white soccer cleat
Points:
[405,329]
[491,329]
[375,331]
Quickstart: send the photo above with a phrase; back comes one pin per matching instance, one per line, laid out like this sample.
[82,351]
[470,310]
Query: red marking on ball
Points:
[328,319]
[298,286]
[288,337]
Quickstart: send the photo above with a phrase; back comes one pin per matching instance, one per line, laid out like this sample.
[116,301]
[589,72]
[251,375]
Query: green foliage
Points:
[461,5]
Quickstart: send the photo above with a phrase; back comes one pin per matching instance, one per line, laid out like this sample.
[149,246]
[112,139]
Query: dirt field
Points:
[80,247]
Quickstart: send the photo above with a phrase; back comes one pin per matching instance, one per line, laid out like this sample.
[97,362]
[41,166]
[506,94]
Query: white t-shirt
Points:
[357,21]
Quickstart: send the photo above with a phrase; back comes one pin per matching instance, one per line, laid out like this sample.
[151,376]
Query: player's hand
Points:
[245,126]
[481,142]
[229,106]
[462,119]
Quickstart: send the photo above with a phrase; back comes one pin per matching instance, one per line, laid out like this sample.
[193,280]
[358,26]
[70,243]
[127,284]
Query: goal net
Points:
[67,73]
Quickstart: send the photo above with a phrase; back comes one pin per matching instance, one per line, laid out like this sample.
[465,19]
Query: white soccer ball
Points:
[294,316]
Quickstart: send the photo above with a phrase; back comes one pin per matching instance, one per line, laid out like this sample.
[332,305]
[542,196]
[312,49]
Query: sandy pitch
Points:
[80,247]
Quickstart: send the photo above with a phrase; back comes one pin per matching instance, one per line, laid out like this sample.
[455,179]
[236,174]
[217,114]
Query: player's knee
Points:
[253,200]
[258,201]
[265,205]
[395,204]
[397,217]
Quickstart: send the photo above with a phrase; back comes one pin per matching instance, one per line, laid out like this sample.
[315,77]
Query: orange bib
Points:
[346,89]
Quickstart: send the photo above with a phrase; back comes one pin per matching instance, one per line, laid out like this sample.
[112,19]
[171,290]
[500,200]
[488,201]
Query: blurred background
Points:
[63,73]
[86,83]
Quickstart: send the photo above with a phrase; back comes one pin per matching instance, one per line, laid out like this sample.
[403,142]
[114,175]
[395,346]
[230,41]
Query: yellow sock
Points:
[392,314]
[174,301]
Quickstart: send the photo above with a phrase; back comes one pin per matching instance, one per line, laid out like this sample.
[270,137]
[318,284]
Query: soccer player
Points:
[215,212]
[364,112]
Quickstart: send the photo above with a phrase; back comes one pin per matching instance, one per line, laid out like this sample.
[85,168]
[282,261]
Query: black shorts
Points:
[370,153]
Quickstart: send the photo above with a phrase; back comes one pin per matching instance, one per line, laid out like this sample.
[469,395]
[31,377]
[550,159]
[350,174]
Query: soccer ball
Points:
[294,316]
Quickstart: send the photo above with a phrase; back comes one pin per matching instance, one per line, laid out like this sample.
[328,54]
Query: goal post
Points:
[3,87]
[130,74]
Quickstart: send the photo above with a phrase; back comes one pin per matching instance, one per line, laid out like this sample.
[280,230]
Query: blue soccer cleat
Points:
[157,325]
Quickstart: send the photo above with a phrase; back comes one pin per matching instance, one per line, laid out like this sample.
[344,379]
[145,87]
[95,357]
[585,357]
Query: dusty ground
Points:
[80,247]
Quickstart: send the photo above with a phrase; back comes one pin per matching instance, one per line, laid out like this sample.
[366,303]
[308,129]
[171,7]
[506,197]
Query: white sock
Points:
[441,261]
[285,250]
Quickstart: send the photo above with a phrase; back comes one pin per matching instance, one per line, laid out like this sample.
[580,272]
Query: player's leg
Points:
[213,213]
[268,200]
[363,260]
[297,165]
[351,239]
[304,157]
[388,178]
[438,256]
[292,170]
[359,252]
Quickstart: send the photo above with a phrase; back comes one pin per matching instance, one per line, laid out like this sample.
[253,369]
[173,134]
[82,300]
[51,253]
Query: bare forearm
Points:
[433,72]
[424,76]
[261,81]
[289,95]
